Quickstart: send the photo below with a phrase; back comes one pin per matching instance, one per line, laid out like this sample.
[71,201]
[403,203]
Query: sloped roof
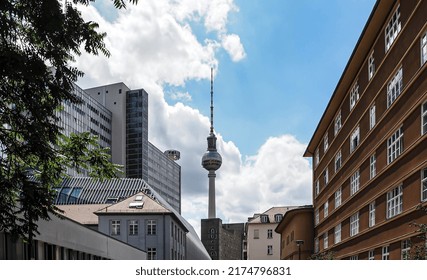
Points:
[82,213]
[256,219]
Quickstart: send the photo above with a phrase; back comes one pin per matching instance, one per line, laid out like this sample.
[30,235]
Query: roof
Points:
[82,213]
[290,214]
[256,219]
[363,47]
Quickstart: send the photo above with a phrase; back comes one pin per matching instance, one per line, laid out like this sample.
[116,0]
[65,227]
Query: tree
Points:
[38,41]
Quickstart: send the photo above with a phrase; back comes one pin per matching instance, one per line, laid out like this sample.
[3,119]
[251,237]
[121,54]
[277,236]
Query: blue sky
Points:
[277,63]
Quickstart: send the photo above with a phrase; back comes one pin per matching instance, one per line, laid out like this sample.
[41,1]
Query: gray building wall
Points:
[164,176]
[169,240]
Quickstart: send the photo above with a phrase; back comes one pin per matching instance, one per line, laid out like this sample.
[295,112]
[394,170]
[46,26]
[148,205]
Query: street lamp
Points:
[299,244]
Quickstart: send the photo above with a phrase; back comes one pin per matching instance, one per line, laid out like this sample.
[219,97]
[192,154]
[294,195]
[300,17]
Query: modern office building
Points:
[139,215]
[89,115]
[296,231]
[262,242]
[369,148]
[130,146]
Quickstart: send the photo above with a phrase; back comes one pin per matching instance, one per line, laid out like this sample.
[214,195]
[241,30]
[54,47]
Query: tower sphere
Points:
[211,160]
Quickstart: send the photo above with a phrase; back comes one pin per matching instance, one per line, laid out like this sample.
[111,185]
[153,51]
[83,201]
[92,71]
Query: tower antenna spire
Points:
[212,107]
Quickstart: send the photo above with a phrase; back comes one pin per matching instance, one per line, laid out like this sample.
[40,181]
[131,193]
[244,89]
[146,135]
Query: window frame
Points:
[151,227]
[405,249]
[325,240]
[338,197]
[395,87]
[151,253]
[316,216]
[337,123]
[256,233]
[316,157]
[133,227]
[385,252]
[395,145]
[372,116]
[326,209]
[354,224]
[325,142]
[316,187]
[355,182]
[354,139]
[424,184]
[337,233]
[372,166]
[338,161]
[394,202]
[424,118]
[326,176]
[269,234]
[371,66]
[115,227]
[423,48]
[371,214]
[371,255]
[392,29]
[354,95]
[269,250]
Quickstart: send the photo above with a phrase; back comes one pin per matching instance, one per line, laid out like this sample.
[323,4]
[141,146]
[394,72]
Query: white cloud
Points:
[183,96]
[152,44]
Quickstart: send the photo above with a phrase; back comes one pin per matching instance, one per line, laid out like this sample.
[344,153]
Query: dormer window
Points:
[278,218]
[264,219]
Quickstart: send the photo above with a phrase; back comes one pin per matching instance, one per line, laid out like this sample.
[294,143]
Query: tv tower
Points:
[211,161]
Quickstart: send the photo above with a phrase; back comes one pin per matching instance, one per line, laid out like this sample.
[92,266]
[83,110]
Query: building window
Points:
[338,195]
[354,95]
[325,241]
[424,118]
[316,245]
[424,48]
[406,248]
[269,233]
[151,227]
[270,250]
[115,227]
[326,209]
[354,182]
[264,218]
[372,166]
[371,66]
[325,142]
[354,224]
[394,145]
[385,253]
[326,176]
[372,214]
[337,233]
[256,233]
[278,218]
[338,161]
[394,87]
[392,29]
[372,117]
[316,216]
[371,255]
[151,253]
[338,123]
[133,227]
[316,158]
[424,184]
[354,139]
[354,258]
[316,188]
[394,202]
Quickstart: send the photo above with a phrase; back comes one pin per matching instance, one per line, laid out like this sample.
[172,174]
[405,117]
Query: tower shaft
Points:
[211,202]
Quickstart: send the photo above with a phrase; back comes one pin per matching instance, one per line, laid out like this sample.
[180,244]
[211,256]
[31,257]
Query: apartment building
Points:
[369,149]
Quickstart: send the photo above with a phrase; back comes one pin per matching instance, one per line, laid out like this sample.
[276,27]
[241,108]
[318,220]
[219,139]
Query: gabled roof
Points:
[256,219]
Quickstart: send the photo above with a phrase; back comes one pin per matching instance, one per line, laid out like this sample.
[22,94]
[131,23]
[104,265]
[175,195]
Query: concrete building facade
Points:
[262,242]
[369,148]
[296,231]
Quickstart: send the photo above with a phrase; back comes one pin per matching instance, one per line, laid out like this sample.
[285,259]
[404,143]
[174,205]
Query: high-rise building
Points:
[369,148]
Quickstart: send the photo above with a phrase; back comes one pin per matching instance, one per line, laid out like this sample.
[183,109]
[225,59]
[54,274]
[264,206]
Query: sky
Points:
[276,64]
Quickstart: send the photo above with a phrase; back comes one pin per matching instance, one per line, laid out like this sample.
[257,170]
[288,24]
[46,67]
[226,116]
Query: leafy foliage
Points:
[38,40]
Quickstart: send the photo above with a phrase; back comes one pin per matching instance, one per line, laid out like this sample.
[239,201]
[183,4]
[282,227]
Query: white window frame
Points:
[316,157]
[269,249]
[338,123]
[372,166]
[371,66]
[269,233]
[325,241]
[372,214]
[354,224]
[372,116]
[424,118]
[316,187]
[115,227]
[151,227]
[326,209]
[392,29]
[325,142]
[355,182]
[424,184]
[423,42]
[133,227]
[316,245]
[256,233]
[354,257]
[354,139]
[338,197]
[394,145]
[395,87]
[371,255]
[337,233]
[405,249]
[151,253]
[385,253]
[354,95]
[394,202]
[338,161]
[326,176]
[316,216]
